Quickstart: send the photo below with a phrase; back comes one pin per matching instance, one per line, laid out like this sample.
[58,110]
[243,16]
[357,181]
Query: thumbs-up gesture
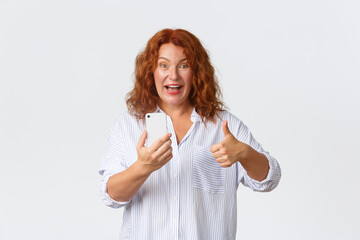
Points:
[230,150]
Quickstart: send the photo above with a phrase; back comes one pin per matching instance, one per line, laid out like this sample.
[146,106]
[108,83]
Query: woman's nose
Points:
[173,74]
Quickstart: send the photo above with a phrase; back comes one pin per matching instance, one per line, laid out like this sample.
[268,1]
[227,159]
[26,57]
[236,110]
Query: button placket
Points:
[174,186]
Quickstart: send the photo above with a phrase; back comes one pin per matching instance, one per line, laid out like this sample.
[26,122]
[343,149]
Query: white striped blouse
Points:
[191,197]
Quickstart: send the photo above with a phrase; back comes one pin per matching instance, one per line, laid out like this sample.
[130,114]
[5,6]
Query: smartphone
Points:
[155,127]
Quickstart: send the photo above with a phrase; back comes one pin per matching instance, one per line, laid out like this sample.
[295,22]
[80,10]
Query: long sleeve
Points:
[113,162]
[244,135]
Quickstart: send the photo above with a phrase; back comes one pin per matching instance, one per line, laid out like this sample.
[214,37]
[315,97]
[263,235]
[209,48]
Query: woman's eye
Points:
[162,65]
[184,66]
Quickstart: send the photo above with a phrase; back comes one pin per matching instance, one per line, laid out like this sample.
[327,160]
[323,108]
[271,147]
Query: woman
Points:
[184,185]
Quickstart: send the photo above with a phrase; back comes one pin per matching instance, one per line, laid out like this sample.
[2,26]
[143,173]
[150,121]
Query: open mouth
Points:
[173,88]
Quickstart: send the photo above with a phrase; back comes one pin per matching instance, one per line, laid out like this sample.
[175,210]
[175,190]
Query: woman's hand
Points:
[124,185]
[230,150]
[157,155]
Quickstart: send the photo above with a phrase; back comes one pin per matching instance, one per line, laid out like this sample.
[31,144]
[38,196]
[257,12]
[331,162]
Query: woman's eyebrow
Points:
[169,59]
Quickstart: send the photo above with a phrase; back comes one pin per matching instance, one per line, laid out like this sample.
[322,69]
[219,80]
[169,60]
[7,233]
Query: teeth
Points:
[173,86]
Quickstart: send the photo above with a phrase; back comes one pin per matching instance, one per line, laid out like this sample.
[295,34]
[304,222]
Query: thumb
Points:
[142,140]
[225,128]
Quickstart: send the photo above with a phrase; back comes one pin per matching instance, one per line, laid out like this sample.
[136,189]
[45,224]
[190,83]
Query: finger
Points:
[225,128]
[216,147]
[222,159]
[166,156]
[158,143]
[164,148]
[167,159]
[225,164]
[218,154]
[141,142]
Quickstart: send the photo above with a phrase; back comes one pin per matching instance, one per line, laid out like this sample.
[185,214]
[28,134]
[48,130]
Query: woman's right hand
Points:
[155,156]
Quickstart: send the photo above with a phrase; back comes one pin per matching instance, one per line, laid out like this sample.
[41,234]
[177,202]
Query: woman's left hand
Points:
[230,150]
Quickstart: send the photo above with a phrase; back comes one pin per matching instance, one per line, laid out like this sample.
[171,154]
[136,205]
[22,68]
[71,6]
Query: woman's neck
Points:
[177,111]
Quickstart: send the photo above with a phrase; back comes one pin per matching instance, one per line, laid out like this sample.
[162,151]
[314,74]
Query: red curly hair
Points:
[205,94]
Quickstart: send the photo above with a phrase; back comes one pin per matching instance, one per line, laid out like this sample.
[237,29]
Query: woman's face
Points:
[173,76]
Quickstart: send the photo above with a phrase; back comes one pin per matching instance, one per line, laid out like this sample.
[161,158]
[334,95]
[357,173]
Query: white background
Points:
[289,69]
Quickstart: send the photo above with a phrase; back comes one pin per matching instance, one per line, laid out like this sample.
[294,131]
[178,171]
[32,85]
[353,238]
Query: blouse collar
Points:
[195,117]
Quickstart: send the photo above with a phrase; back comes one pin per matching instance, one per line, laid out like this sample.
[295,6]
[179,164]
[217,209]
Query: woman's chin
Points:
[171,102]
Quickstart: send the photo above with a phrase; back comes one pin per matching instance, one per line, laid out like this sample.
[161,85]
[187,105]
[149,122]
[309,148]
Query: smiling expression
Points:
[173,76]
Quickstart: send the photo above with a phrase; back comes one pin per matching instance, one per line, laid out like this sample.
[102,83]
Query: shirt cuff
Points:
[108,201]
[272,179]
